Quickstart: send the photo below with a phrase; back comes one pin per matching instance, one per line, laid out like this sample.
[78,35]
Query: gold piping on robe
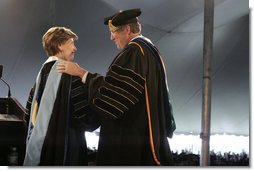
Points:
[123,81]
[34,112]
[138,46]
[118,66]
[103,109]
[121,94]
[129,78]
[113,99]
[150,128]
[149,116]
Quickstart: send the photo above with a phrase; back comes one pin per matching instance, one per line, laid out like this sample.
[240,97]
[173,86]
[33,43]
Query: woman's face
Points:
[67,50]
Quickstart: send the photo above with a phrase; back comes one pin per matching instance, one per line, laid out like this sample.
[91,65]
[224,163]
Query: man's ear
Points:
[128,28]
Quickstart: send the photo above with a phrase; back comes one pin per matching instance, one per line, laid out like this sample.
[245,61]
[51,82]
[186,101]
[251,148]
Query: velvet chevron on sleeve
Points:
[123,89]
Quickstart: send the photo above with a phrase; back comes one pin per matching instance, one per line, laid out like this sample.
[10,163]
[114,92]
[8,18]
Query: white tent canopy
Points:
[175,26]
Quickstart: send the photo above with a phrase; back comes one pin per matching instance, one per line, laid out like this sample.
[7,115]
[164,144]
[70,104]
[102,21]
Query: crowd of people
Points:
[187,158]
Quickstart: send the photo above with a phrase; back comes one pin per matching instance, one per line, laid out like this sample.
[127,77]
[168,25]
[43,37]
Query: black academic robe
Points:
[65,142]
[134,103]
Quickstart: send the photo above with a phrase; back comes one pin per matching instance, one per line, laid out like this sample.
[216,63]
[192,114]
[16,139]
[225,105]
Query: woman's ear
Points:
[60,47]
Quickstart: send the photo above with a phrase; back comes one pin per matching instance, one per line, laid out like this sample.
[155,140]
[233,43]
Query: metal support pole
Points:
[207,68]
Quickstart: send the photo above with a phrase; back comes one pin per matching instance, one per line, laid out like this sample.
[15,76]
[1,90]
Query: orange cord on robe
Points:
[148,115]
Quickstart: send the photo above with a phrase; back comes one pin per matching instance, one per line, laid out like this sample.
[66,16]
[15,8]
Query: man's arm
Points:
[71,68]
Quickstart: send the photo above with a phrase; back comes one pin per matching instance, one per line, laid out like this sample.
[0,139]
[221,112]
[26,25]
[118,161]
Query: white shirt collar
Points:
[52,58]
[140,36]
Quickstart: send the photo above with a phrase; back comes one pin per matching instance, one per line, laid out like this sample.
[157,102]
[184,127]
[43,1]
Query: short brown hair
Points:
[54,37]
[135,27]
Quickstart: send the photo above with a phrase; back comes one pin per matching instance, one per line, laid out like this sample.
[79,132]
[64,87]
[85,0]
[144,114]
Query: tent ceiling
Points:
[175,26]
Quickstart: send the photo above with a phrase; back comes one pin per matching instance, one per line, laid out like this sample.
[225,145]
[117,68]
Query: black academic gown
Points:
[65,142]
[133,101]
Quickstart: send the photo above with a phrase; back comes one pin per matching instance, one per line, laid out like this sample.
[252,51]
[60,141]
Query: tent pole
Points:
[207,68]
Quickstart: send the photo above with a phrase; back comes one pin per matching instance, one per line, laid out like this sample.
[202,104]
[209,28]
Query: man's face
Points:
[68,49]
[120,37]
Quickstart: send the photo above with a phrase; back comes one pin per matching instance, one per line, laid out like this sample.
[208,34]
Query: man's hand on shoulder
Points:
[70,68]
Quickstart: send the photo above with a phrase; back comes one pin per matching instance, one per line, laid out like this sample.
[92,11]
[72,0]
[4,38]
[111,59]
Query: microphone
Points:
[9,89]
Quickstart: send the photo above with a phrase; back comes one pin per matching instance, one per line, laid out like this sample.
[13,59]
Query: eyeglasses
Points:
[117,30]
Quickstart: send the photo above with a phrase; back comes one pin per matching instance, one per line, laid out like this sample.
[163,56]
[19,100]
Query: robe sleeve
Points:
[82,115]
[123,86]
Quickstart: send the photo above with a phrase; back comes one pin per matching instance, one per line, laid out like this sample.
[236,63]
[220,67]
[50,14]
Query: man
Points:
[132,99]
[58,111]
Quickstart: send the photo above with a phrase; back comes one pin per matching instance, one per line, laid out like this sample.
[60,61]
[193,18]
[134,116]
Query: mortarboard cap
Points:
[122,18]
